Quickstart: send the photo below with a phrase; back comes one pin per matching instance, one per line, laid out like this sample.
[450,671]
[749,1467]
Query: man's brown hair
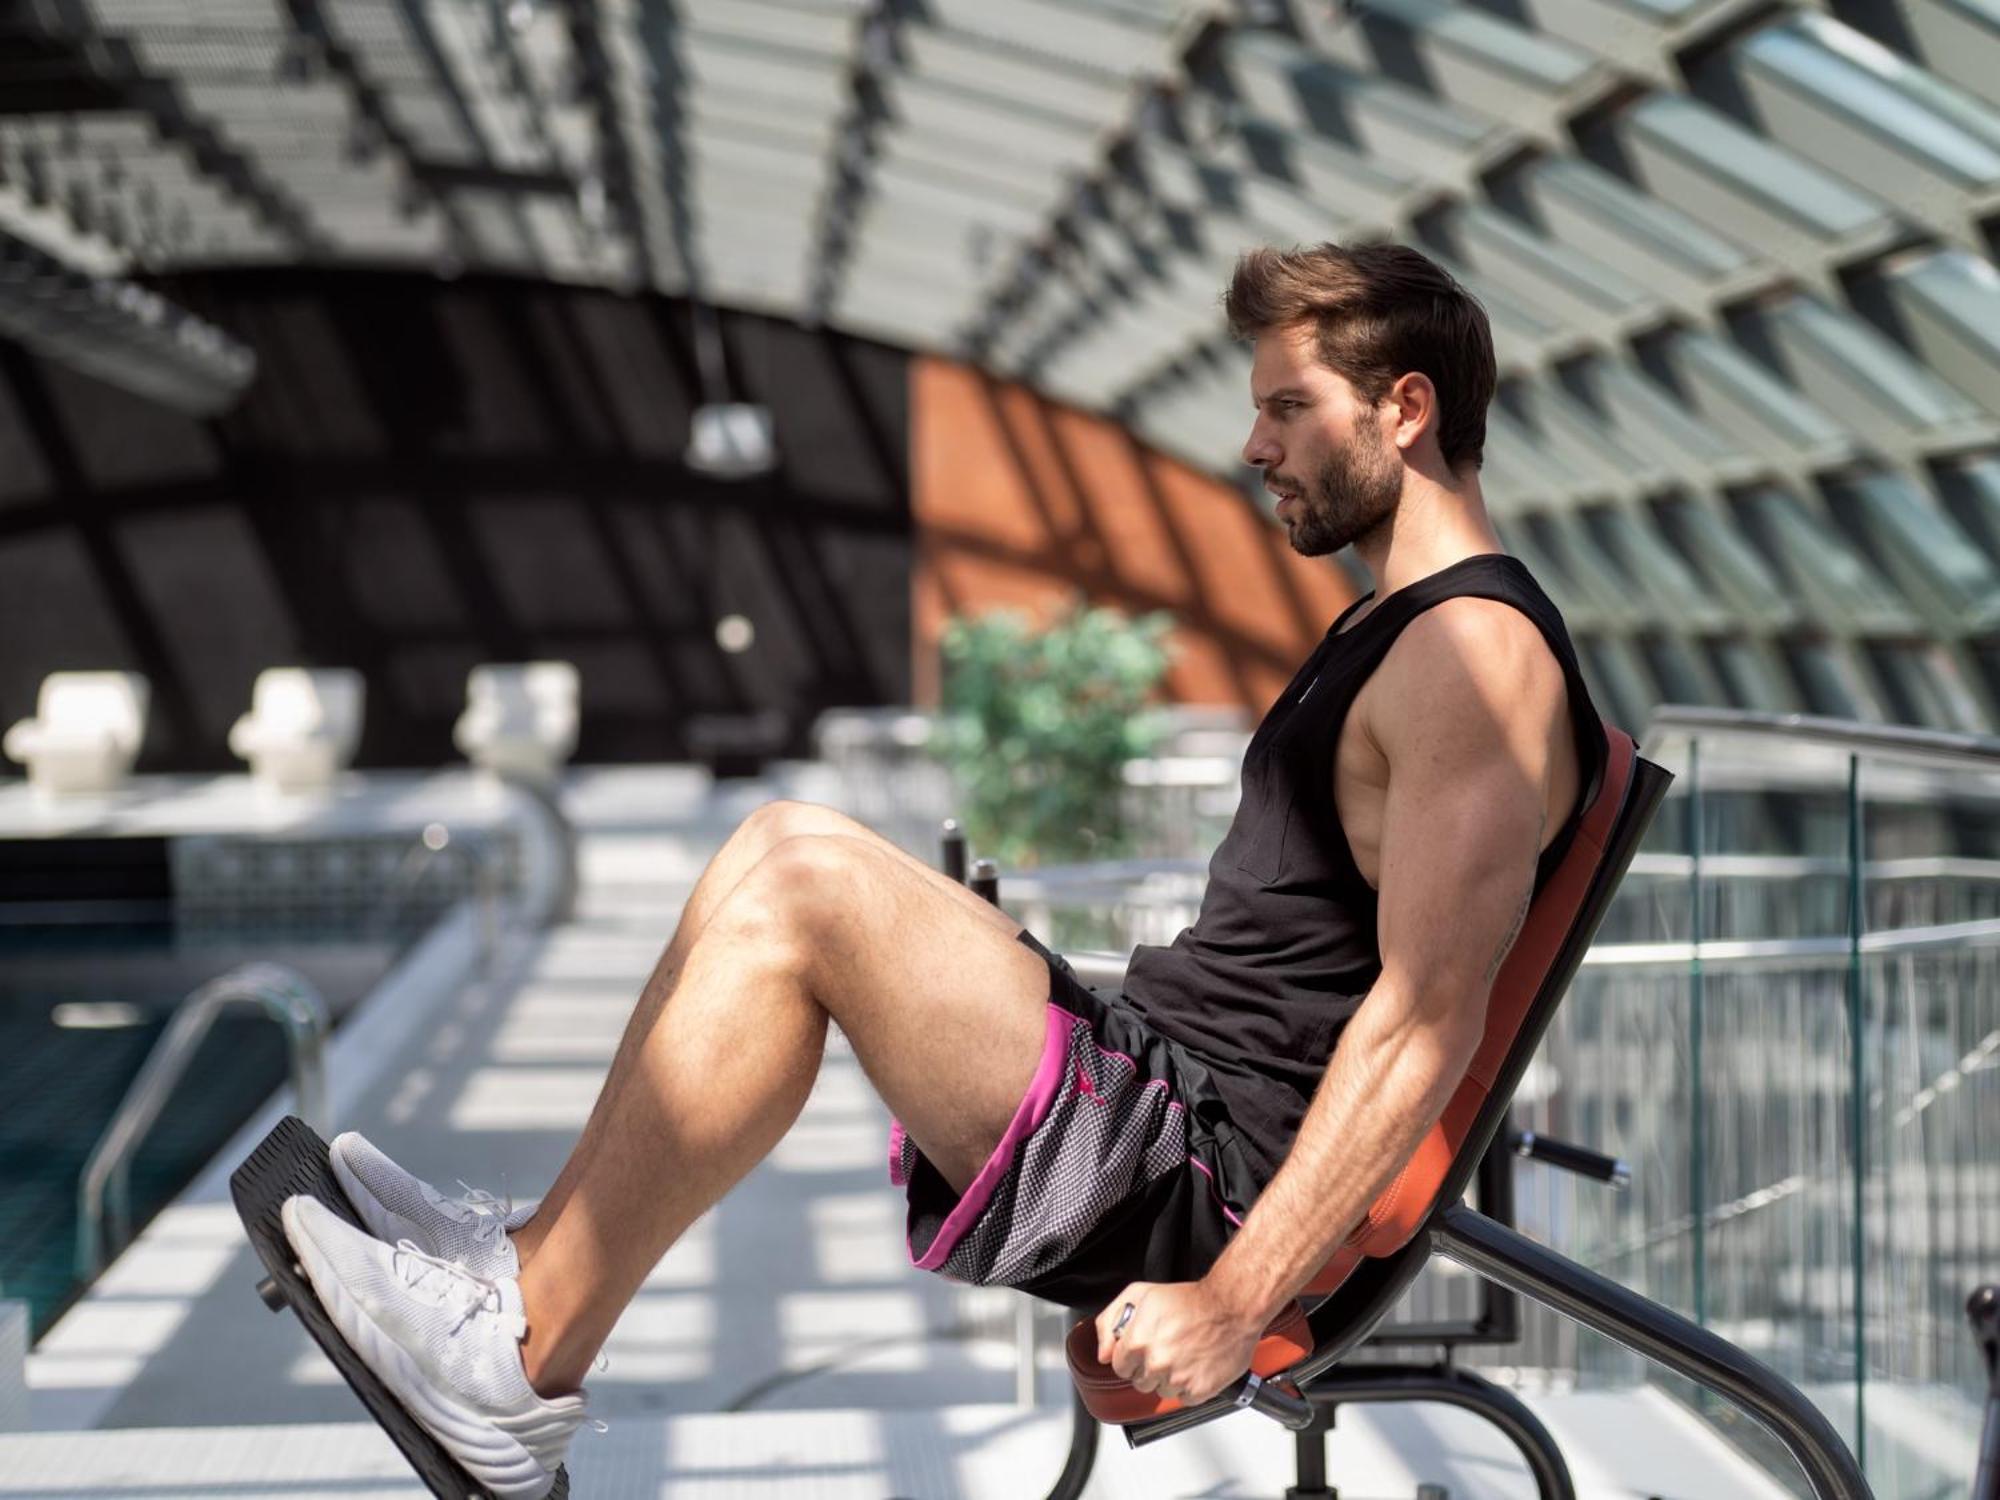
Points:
[1379,312]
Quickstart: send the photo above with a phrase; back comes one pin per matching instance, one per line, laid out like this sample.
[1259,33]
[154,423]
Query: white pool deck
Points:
[783,1349]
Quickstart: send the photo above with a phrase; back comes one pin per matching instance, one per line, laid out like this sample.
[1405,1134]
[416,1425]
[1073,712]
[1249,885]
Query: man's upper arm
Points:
[1470,723]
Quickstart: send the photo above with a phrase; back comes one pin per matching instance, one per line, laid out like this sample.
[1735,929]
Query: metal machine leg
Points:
[1310,1444]
[1515,1261]
[1347,1385]
[1983,1308]
[1082,1452]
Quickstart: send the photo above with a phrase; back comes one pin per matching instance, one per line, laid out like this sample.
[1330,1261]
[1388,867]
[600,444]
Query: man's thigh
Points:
[946,1010]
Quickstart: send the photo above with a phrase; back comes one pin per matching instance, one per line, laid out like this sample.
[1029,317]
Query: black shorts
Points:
[1120,1165]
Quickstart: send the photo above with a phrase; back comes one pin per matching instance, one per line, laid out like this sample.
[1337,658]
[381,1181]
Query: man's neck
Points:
[1434,526]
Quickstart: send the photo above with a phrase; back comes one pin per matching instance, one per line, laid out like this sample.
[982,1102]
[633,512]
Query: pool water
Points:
[60,1085]
[60,1088]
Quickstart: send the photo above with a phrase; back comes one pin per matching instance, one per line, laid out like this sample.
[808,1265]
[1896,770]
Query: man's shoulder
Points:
[1463,663]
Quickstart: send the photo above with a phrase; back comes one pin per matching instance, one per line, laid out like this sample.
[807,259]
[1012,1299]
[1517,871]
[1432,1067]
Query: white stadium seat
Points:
[520,718]
[302,728]
[86,731]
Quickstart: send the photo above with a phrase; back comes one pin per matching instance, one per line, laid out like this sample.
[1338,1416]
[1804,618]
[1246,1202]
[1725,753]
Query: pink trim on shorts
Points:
[1049,1077]
[1202,1167]
[896,1177]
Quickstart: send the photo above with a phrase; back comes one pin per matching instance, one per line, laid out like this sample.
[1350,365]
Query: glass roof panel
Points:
[1734,569]
[1854,372]
[1834,76]
[1943,572]
[1834,582]
[1754,167]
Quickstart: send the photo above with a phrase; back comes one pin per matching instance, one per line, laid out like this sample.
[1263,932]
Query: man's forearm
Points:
[1384,1088]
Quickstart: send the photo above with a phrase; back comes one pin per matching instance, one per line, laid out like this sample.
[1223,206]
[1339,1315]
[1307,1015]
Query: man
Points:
[1184,1156]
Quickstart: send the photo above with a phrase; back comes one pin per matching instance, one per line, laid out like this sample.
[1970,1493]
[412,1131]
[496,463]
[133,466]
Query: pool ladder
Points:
[281,994]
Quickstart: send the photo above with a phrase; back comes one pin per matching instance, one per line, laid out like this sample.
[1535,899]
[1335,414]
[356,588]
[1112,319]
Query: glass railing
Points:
[1791,1029]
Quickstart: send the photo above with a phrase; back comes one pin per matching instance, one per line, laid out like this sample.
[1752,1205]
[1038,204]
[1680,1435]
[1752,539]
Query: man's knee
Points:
[801,882]
[774,822]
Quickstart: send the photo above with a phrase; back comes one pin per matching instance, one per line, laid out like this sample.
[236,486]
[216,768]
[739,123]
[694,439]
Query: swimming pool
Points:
[81,1006]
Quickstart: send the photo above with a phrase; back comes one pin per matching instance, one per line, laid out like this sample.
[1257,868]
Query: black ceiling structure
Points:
[426,476]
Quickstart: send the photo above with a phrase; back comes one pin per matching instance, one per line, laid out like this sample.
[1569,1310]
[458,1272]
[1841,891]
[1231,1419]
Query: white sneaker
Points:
[395,1205]
[447,1345]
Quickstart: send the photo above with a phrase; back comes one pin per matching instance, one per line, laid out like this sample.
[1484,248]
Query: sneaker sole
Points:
[485,1450]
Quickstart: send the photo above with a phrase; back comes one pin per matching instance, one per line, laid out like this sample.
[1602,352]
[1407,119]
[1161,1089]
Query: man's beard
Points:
[1354,493]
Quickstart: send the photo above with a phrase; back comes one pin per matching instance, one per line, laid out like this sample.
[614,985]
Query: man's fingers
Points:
[1108,1335]
[1107,1346]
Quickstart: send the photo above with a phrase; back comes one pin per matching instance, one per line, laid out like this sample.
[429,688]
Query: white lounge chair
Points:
[86,731]
[520,718]
[302,728]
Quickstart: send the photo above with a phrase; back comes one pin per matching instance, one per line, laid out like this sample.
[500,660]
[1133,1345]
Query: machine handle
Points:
[1982,1308]
[1579,1159]
[985,880]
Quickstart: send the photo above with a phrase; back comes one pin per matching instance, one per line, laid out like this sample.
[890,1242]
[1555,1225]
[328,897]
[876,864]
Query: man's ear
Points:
[1412,405]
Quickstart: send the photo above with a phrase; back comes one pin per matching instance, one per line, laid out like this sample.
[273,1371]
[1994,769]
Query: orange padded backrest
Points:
[1408,1201]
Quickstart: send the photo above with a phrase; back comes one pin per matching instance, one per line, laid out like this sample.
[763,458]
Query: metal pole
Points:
[486,887]
[1645,1327]
[1082,1451]
[1025,1382]
[1857,1104]
[283,996]
[985,884]
[1697,1113]
[985,880]
[1983,1308]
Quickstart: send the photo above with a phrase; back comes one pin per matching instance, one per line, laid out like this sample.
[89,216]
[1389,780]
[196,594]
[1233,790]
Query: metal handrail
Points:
[1937,746]
[560,903]
[1100,969]
[432,845]
[1792,866]
[1797,952]
[283,995]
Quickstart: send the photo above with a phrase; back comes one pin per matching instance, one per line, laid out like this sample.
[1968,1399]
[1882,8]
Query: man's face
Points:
[1319,445]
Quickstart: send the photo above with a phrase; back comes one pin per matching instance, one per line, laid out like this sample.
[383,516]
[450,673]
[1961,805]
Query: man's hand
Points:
[1181,1340]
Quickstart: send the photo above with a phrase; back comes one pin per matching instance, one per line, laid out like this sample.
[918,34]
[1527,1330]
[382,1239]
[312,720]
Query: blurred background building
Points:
[370,332]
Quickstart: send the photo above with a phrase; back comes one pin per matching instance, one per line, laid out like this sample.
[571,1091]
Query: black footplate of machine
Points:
[293,1159]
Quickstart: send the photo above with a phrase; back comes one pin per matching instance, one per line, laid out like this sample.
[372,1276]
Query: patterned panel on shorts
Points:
[1108,1133]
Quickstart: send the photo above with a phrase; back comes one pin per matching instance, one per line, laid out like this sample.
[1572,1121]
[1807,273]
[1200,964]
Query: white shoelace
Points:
[489,1214]
[492,1213]
[469,1295]
[463,1293]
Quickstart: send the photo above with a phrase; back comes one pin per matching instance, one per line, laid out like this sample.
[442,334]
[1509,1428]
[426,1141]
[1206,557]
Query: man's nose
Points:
[1259,449]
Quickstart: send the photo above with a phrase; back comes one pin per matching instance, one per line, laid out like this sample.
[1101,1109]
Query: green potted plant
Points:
[1039,722]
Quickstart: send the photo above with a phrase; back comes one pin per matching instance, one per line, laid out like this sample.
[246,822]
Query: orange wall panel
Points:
[1021,503]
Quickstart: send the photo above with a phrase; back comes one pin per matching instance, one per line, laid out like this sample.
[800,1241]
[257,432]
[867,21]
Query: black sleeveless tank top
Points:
[1283,949]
